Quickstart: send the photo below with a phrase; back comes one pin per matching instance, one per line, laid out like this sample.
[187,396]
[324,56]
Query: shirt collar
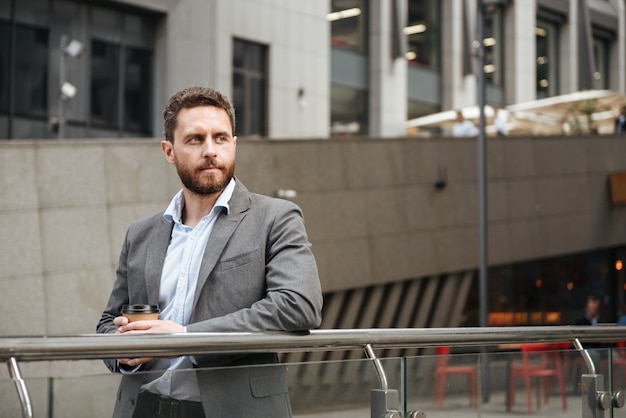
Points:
[174,211]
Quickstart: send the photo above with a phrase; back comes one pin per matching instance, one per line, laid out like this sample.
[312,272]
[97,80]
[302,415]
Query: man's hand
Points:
[144,327]
[154,326]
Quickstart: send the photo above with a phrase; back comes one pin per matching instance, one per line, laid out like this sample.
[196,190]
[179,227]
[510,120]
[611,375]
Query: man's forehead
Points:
[200,115]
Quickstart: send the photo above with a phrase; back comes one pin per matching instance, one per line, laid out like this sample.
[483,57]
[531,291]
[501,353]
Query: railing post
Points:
[20,385]
[384,401]
[595,400]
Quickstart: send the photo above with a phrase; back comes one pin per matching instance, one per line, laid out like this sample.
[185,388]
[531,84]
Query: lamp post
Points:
[67,90]
[482,191]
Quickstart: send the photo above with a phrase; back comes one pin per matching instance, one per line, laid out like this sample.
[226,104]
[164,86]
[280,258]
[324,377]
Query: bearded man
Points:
[218,259]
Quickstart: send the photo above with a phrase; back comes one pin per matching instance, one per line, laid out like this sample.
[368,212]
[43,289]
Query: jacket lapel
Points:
[157,249]
[224,227]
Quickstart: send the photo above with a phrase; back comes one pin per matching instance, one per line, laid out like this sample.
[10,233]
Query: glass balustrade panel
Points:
[465,382]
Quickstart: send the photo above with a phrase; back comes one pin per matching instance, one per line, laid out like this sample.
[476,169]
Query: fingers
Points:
[118,321]
[145,326]
[133,362]
[152,326]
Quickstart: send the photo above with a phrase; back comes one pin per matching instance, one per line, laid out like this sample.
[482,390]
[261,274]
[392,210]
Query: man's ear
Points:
[168,149]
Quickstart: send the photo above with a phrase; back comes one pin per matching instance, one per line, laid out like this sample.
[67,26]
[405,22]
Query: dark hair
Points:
[194,97]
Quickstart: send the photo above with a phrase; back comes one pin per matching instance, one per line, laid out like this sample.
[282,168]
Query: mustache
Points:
[212,163]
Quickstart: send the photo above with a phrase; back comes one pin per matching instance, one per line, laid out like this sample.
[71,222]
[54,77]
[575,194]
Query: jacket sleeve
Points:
[293,296]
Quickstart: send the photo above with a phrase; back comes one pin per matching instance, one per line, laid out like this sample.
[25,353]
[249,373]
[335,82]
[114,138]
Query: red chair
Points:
[442,370]
[543,363]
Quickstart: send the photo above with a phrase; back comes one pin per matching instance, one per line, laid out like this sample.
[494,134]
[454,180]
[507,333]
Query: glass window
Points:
[547,61]
[601,55]
[137,90]
[349,110]
[105,62]
[5,67]
[121,72]
[113,77]
[348,21]
[422,32]
[31,70]
[5,11]
[550,291]
[250,87]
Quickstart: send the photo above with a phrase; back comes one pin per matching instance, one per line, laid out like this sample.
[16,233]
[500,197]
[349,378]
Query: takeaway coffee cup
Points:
[140,312]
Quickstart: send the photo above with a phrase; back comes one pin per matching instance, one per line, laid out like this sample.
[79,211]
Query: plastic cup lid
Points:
[140,309]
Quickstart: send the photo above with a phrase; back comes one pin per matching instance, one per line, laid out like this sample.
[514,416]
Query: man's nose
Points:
[208,148]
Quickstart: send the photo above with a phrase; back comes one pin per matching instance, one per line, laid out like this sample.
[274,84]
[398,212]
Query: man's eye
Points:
[221,139]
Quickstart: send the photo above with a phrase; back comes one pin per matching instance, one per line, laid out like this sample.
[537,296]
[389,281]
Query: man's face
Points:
[593,307]
[203,150]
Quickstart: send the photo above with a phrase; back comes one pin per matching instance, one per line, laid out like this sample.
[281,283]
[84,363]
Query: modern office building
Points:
[323,90]
[305,69]
[317,69]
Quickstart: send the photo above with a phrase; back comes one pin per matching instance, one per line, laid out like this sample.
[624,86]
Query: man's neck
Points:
[197,206]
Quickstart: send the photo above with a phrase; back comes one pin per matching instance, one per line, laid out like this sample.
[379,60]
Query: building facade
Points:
[306,69]
[393,220]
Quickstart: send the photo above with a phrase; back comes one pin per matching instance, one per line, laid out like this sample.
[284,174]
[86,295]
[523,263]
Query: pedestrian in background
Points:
[463,127]
[591,316]
[620,121]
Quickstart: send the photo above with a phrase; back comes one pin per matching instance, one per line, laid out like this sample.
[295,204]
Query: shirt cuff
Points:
[124,369]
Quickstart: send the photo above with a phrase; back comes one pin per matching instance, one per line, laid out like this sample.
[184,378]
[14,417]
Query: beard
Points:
[200,184]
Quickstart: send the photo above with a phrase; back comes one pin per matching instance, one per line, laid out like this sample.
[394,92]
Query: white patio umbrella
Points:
[557,115]
[572,112]
[444,121]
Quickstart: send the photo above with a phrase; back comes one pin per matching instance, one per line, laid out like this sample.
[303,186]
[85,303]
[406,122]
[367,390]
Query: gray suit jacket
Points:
[258,274]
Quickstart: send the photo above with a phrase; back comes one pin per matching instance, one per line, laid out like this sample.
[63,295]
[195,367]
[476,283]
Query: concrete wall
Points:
[371,208]
[372,211]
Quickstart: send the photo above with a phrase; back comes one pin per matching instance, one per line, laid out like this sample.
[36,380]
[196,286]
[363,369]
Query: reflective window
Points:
[5,66]
[349,110]
[550,291]
[112,78]
[31,70]
[349,80]
[137,90]
[250,87]
[348,20]
[601,54]
[105,71]
[106,85]
[423,34]
[547,58]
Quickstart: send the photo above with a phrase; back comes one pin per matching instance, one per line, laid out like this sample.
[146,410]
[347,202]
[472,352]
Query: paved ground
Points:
[458,407]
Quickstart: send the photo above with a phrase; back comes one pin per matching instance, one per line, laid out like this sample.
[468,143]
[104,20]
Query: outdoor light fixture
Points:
[414,29]
[67,90]
[343,14]
[74,48]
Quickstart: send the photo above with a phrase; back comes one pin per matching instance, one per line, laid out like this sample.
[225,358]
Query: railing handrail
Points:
[98,346]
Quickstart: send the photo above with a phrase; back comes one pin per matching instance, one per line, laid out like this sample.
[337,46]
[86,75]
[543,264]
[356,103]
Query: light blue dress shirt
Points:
[178,285]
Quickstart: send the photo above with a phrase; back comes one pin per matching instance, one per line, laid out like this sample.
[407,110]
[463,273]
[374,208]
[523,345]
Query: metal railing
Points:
[97,346]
